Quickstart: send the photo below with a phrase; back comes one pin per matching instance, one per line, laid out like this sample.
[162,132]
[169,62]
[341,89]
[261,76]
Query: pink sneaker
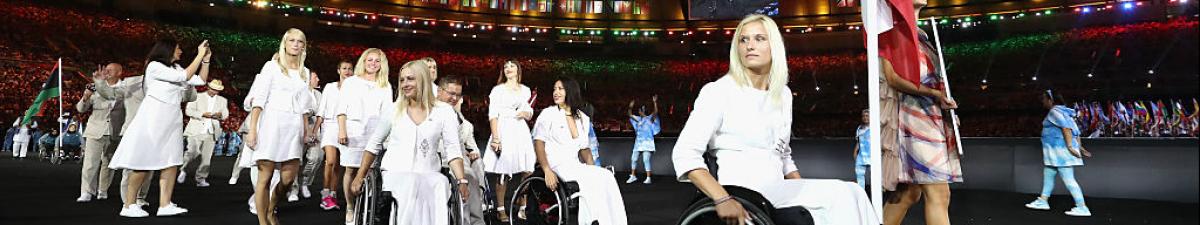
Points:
[329,203]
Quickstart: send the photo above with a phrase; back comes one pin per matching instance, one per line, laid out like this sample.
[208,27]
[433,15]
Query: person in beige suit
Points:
[204,125]
[102,135]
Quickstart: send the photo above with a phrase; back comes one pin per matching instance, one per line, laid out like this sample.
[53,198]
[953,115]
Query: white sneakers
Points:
[304,192]
[181,177]
[292,195]
[134,211]
[201,183]
[84,197]
[232,181]
[631,179]
[102,195]
[170,210]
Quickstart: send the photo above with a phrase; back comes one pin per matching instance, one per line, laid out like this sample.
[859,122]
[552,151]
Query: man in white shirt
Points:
[451,93]
[204,125]
[105,122]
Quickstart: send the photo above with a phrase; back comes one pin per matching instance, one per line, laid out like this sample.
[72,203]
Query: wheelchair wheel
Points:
[371,209]
[457,207]
[542,205]
[704,212]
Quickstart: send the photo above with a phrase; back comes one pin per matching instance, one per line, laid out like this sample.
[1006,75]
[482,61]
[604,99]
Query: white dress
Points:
[284,100]
[154,139]
[326,109]
[516,150]
[411,166]
[750,140]
[363,103]
[601,198]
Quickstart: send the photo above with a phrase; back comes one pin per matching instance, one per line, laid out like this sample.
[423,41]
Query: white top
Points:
[167,84]
[361,99]
[329,102]
[416,147]
[729,119]
[505,103]
[274,91]
[553,128]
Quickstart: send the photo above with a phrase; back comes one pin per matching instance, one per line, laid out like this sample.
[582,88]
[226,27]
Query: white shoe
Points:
[134,211]
[232,181]
[141,203]
[201,183]
[170,210]
[304,192]
[293,197]
[180,179]
[253,208]
[647,181]
[102,195]
[84,197]
[631,179]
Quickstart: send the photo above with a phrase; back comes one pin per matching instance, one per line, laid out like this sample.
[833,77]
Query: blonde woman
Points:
[510,148]
[359,112]
[155,140]
[331,178]
[280,98]
[433,75]
[419,134]
[745,118]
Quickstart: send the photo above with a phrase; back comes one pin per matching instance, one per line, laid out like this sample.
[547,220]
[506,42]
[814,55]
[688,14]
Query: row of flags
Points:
[1138,117]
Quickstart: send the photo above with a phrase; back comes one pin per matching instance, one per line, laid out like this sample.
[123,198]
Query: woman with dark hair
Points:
[155,140]
[510,149]
[332,178]
[561,144]
[1061,153]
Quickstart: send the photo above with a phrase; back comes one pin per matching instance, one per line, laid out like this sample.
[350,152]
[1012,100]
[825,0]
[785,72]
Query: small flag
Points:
[50,89]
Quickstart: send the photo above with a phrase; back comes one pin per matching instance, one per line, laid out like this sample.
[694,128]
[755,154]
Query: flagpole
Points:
[60,103]
[946,84]
[870,14]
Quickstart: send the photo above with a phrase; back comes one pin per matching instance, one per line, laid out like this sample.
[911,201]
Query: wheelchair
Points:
[542,205]
[374,204]
[703,211]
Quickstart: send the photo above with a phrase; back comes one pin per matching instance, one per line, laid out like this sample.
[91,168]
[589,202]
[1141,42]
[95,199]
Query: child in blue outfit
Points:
[862,151]
[1061,153]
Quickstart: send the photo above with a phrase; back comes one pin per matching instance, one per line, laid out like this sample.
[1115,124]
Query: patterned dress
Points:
[926,150]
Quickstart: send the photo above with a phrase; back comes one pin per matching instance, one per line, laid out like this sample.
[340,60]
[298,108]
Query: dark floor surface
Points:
[36,192]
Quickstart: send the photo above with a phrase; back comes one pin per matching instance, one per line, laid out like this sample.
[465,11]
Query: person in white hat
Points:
[204,126]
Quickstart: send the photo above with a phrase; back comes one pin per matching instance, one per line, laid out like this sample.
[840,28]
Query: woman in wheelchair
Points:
[414,132]
[745,117]
[561,141]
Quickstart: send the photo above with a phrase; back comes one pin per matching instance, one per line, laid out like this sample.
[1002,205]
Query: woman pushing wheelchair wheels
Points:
[561,142]
[745,117]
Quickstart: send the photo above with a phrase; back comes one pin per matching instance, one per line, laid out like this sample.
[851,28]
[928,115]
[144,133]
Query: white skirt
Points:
[279,136]
[516,150]
[830,201]
[153,140]
[421,197]
[601,197]
[358,134]
[329,134]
